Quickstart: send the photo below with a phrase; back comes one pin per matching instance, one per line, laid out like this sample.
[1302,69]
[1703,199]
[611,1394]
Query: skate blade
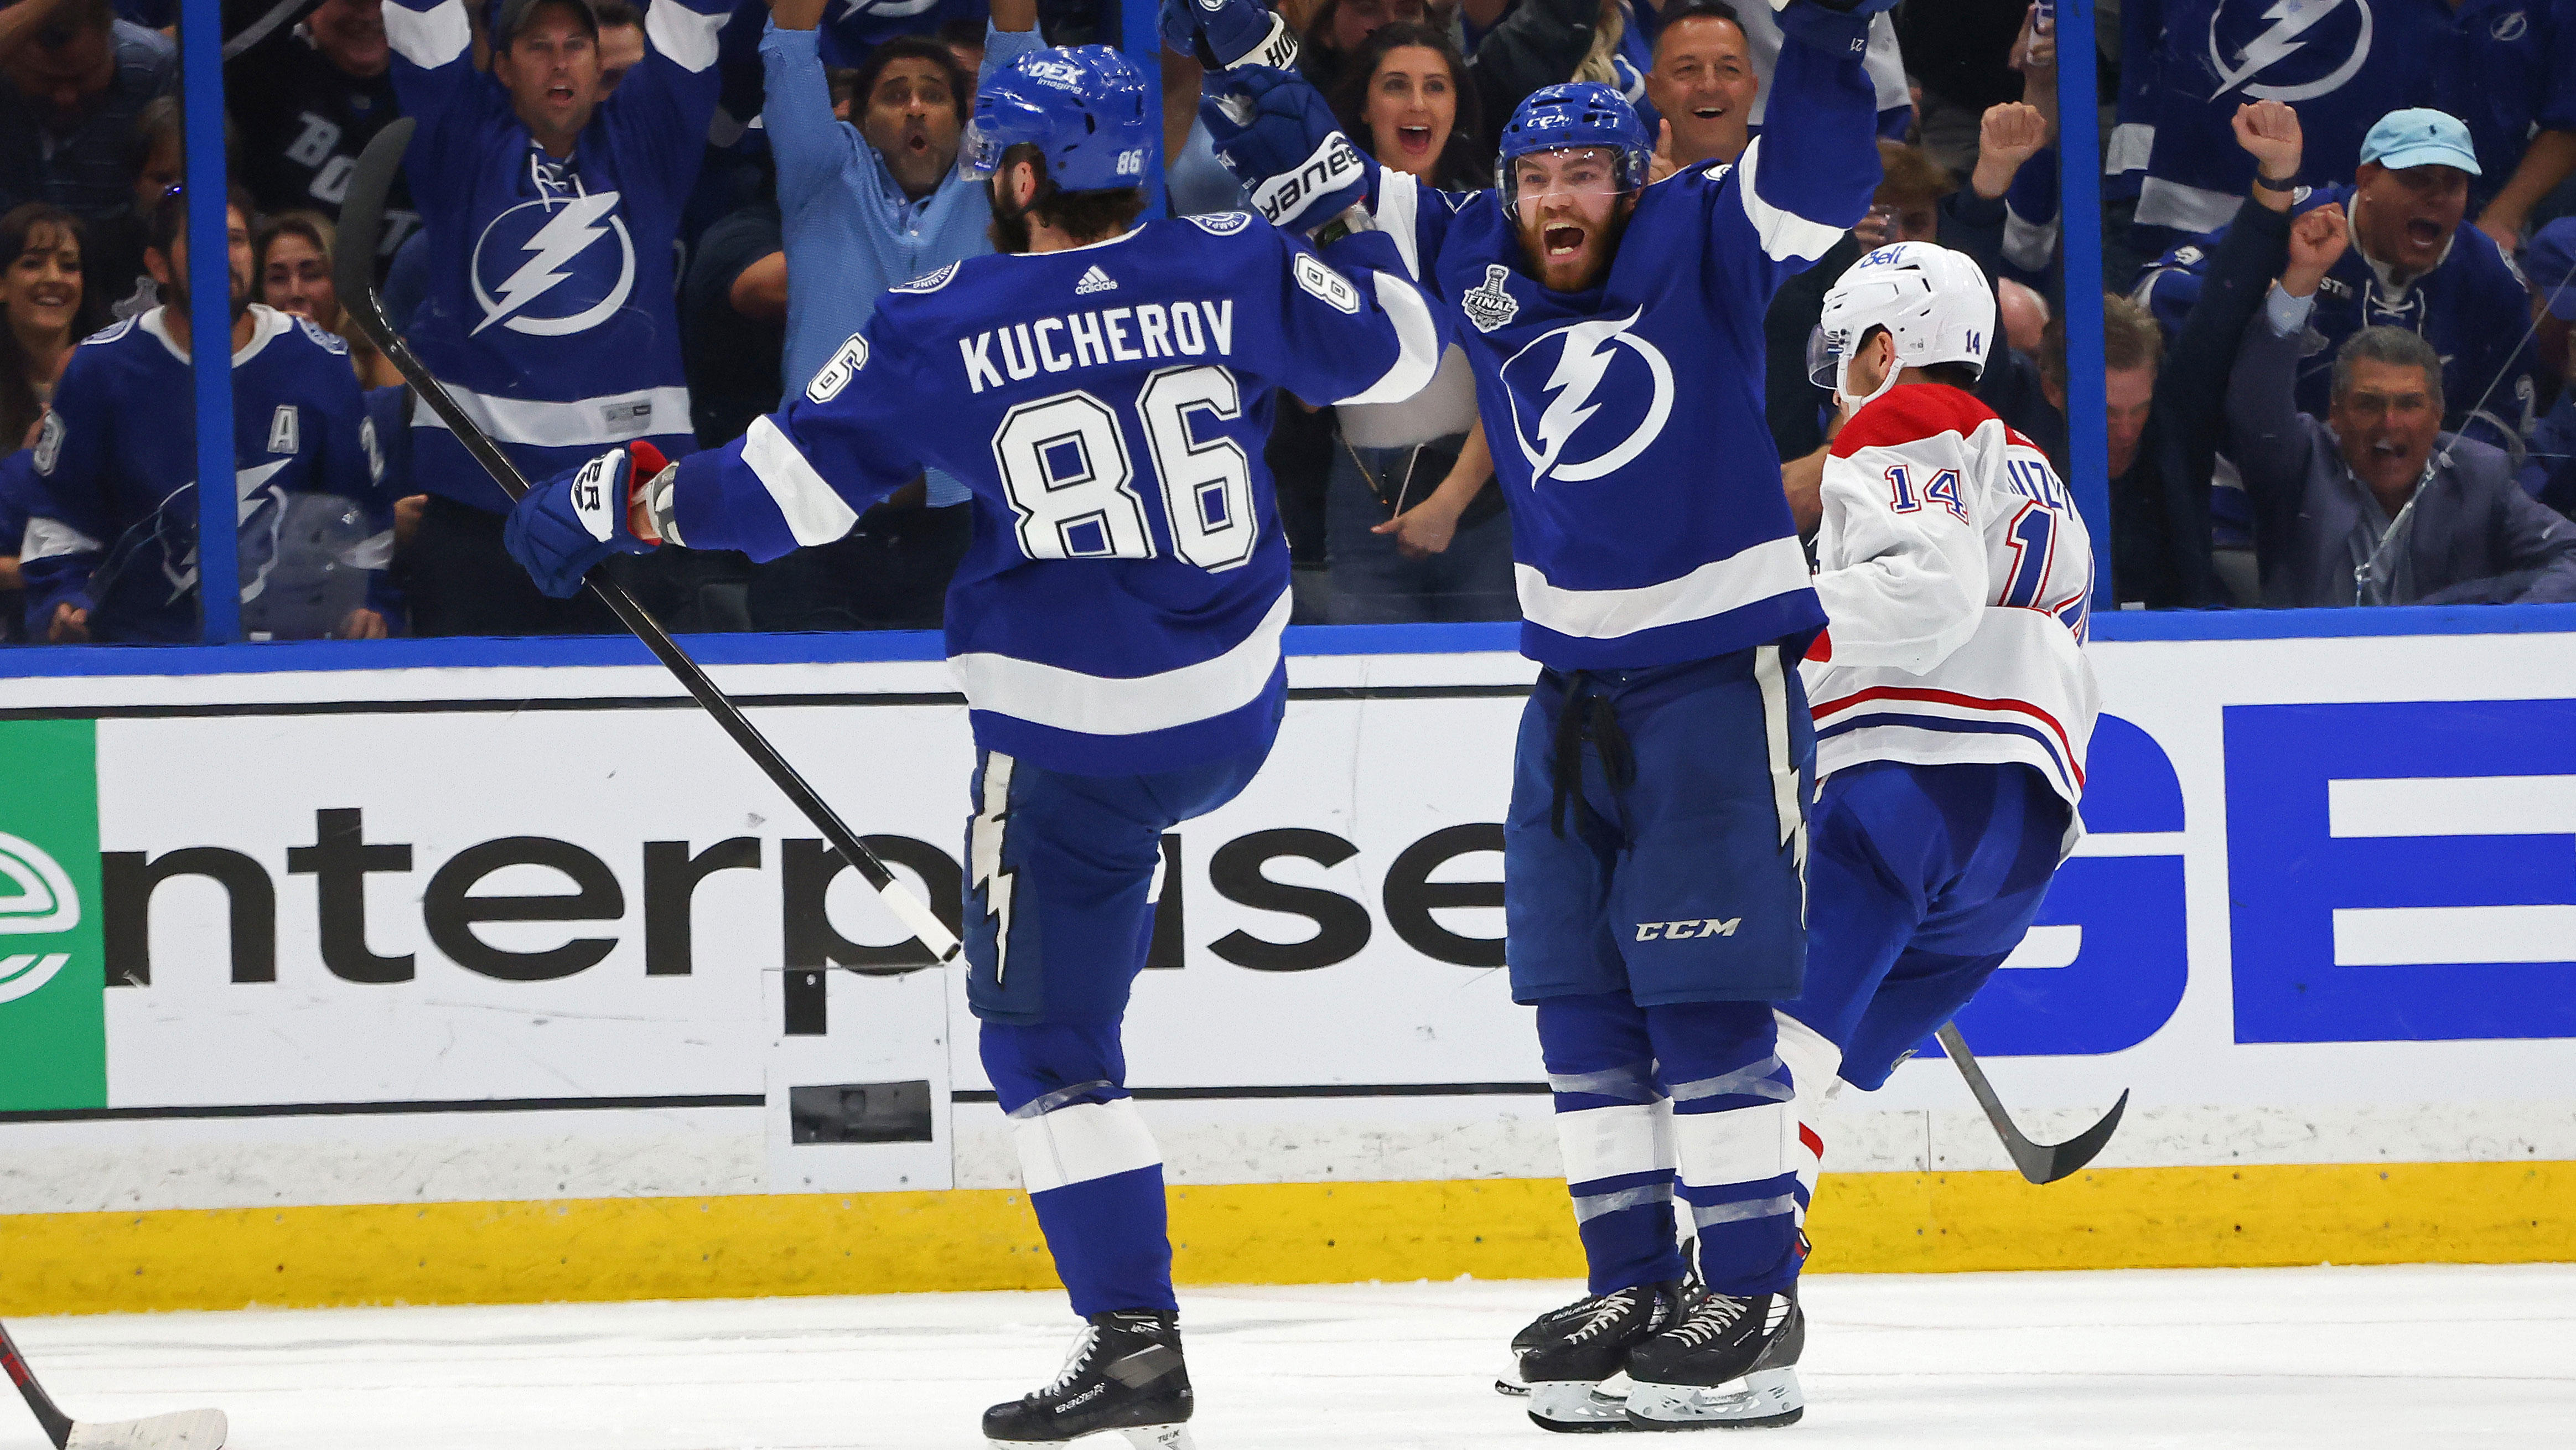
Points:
[1764,1399]
[1142,1437]
[187,1430]
[1509,1386]
[1576,1407]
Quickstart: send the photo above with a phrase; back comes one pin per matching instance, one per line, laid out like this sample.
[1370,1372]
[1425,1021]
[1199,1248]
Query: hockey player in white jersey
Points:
[1950,691]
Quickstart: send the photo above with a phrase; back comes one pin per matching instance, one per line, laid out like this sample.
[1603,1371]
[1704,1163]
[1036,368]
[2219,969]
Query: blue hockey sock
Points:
[1616,1132]
[1091,1168]
[1737,1134]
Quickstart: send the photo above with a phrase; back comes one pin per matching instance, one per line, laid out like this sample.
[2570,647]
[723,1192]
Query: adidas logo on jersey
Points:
[1094,280]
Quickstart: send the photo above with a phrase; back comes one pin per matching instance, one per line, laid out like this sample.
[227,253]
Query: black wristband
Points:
[2268,184]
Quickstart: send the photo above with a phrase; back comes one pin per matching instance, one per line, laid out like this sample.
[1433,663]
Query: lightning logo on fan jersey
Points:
[555,251]
[2291,22]
[1589,352]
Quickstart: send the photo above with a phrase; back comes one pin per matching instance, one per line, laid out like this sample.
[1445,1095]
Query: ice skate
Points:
[1730,1364]
[1125,1374]
[1580,1346]
[1509,1382]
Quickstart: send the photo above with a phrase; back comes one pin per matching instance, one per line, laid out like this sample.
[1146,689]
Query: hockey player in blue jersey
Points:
[111,545]
[549,216]
[1656,833]
[1104,388]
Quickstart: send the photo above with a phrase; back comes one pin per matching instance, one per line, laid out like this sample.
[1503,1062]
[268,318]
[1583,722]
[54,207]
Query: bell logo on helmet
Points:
[1609,393]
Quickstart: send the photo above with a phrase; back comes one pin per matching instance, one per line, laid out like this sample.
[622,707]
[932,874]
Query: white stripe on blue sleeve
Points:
[1784,234]
[685,37]
[428,38]
[1417,340]
[814,513]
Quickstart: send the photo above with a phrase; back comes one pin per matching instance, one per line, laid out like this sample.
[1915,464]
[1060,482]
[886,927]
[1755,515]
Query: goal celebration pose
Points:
[1104,389]
[1656,833]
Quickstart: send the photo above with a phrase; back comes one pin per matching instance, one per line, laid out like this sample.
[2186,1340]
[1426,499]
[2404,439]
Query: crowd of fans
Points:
[2336,332]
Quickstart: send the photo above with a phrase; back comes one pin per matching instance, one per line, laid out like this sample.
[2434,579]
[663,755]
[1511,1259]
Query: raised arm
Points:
[809,142]
[2270,439]
[1802,185]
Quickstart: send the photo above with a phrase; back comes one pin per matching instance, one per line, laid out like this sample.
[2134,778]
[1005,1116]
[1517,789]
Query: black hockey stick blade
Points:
[186,1430]
[2038,1162]
[362,216]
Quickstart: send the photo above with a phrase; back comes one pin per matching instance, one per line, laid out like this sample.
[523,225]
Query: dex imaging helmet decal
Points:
[554,267]
[2287,50]
[1609,393]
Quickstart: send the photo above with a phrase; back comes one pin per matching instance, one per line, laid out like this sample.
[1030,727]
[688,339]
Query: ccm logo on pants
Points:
[1680,930]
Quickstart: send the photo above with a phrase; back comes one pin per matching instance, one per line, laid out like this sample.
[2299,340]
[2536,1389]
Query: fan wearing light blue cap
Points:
[2414,263]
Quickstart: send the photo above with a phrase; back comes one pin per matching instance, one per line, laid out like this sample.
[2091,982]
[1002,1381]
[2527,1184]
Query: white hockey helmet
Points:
[1935,303]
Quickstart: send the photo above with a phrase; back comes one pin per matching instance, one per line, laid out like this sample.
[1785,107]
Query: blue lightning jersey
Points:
[2471,307]
[549,312]
[1120,609]
[2500,65]
[112,524]
[1627,420]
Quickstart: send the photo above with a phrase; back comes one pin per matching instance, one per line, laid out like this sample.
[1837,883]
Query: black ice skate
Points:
[1125,1374]
[1729,1364]
[1537,1331]
[1585,1343]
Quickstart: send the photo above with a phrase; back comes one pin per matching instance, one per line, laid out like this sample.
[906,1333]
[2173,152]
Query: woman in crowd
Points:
[1414,524]
[46,312]
[1535,43]
[291,257]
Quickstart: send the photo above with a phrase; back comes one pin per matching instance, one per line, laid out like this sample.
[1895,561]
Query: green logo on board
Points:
[53,982]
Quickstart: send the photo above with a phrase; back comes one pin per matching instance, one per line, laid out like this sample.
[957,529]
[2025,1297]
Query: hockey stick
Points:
[187,1430]
[2038,1162]
[362,214]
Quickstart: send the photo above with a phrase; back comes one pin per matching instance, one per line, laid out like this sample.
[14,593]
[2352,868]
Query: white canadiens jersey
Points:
[1956,574]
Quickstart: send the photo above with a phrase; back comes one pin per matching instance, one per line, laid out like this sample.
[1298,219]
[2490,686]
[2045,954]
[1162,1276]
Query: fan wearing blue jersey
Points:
[549,215]
[1104,389]
[1656,835]
[110,554]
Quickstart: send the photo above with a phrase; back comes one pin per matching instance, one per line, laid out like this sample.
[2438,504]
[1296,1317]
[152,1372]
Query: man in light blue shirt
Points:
[868,204]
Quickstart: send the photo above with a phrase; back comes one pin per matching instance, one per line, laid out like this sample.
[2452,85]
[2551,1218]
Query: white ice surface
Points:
[2343,1357]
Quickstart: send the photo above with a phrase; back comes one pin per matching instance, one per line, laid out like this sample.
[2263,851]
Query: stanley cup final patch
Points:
[1489,306]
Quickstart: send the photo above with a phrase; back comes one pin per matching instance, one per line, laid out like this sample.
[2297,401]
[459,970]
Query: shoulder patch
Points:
[1326,285]
[49,442]
[108,334]
[1221,224]
[1911,414]
[929,281]
[328,342]
[1717,170]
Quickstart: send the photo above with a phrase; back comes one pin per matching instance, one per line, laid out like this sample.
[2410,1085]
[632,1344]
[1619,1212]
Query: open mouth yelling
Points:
[560,93]
[1561,240]
[1708,113]
[1416,140]
[2423,233]
[52,296]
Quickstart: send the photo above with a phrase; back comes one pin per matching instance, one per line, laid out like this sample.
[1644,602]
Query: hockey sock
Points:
[1813,1061]
[1735,1127]
[1616,1132]
[1092,1170]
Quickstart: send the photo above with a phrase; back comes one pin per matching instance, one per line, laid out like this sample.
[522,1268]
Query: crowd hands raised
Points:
[2357,400]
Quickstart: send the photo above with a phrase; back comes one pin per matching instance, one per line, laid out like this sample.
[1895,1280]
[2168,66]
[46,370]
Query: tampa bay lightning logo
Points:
[2287,50]
[554,267]
[1588,398]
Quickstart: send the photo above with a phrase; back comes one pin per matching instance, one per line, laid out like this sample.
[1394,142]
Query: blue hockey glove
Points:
[1836,27]
[1224,34]
[565,526]
[1280,140]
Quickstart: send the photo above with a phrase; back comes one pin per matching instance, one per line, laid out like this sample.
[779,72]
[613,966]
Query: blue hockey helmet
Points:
[1570,116]
[1084,108]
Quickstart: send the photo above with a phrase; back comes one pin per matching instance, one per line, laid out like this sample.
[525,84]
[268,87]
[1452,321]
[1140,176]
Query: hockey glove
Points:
[1836,27]
[565,526]
[1224,34]
[1280,140]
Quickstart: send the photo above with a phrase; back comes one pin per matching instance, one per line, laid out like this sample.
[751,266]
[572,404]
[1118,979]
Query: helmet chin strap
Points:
[1842,384]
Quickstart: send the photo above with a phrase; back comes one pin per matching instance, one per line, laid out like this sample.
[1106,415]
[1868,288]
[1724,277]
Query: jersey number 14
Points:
[1064,465]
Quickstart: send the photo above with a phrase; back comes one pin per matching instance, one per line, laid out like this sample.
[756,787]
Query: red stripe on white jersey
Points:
[1965,702]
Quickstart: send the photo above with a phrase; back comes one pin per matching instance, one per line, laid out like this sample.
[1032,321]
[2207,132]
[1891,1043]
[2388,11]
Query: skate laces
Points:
[1074,1362]
[1712,1316]
[1608,1310]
